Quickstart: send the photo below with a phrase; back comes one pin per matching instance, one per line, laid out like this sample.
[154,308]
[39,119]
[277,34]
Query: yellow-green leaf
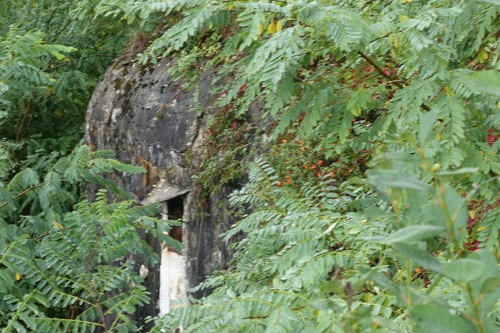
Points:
[279,26]
[271,28]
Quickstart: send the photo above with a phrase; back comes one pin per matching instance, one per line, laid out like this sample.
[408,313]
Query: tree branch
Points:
[5,203]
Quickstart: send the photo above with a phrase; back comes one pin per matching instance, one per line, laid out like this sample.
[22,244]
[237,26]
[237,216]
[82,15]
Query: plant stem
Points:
[442,202]
[5,203]
[474,309]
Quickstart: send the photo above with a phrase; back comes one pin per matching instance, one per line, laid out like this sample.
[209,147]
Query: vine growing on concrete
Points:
[406,239]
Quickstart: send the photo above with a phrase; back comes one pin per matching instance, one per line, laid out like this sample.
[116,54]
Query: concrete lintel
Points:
[163,192]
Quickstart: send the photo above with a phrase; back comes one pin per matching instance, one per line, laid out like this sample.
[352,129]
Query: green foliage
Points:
[70,268]
[406,239]
[294,270]
[335,257]
[65,264]
[397,229]
[52,53]
[22,60]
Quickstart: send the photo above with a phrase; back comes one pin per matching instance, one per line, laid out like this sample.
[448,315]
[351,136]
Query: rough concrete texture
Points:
[144,115]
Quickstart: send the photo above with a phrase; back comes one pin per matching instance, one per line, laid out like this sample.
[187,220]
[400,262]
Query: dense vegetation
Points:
[375,208]
[62,259]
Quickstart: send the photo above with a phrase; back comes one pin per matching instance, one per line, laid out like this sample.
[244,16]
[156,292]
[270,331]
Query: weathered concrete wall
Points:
[144,116]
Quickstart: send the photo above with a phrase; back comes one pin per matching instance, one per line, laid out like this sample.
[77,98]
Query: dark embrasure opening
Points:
[175,209]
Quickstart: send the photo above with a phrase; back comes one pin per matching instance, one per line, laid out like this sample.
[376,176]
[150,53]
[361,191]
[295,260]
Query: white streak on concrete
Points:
[172,279]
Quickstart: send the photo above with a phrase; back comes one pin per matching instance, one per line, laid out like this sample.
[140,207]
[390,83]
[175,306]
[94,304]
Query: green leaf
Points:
[487,82]
[41,299]
[464,270]
[384,179]
[17,325]
[28,320]
[24,179]
[458,172]
[413,233]
[456,206]
[426,124]
[430,318]
[333,286]
[495,2]
[490,284]
[419,256]
[279,319]
[358,101]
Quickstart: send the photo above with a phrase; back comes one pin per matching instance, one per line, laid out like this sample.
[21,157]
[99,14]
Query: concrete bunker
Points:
[147,120]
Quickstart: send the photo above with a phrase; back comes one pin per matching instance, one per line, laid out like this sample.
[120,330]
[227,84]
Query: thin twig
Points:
[372,62]
[21,194]
[7,119]
[23,120]
[395,80]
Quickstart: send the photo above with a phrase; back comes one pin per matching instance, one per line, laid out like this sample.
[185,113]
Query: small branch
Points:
[56,35]
[20,195]
[8,118]
[23,120]
[379,69]
[41,236]
[394,80]
[256,317]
